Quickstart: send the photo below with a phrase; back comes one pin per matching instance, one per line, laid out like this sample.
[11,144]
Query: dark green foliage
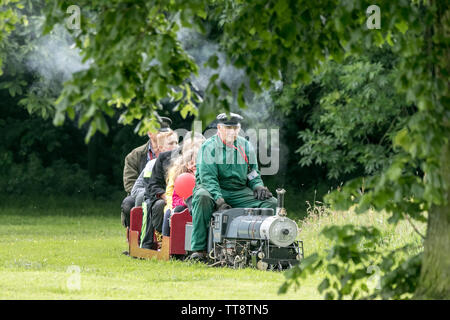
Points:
[137,62]
[339,139]
[305,35]
[9,17]
[60,178]
[38,158]
[400,278]
[354,119]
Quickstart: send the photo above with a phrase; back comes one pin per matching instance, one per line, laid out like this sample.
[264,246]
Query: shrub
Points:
[60,178]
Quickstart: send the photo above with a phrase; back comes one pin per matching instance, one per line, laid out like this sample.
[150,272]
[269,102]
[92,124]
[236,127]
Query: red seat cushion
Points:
[178,231]
[136,219]
[136,215]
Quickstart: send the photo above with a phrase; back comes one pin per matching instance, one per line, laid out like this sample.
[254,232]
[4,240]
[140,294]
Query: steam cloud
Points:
[54,57]
[258,113]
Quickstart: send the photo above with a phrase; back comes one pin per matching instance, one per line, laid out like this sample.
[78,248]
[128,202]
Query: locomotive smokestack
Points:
[281,211]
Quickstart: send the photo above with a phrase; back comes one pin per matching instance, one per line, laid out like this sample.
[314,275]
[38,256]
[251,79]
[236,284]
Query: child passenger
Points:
[185,162]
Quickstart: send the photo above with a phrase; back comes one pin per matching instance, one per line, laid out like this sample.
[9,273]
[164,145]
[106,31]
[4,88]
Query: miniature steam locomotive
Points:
[237,237]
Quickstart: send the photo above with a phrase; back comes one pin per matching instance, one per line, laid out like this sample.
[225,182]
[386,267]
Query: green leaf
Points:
[333,269]
[402,26]
[325,284]
[394,172]
[283,288]
[213,62]
[402,138]
[329,296]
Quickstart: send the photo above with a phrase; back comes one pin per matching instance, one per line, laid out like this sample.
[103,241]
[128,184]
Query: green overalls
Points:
[222,172]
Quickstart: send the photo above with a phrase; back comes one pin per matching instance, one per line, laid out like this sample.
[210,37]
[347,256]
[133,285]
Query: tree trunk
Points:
[434,280]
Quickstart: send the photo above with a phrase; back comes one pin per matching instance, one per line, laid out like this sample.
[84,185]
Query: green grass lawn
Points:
[42,241]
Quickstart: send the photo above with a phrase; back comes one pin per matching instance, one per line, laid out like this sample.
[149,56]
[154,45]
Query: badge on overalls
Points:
[252,175]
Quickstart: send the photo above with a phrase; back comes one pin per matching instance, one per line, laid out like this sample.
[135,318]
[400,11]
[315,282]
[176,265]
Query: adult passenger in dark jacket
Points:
[155,196]
[135,162]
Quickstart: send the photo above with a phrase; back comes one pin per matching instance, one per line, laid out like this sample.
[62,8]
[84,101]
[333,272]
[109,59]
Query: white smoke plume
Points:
[55,57]
[259,107]
[201,50]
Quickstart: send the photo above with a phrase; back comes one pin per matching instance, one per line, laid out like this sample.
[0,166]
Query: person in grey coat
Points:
[138,190]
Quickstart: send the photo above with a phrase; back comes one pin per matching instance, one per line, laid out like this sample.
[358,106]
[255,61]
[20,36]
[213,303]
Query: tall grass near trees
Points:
[393,236]
[358,255]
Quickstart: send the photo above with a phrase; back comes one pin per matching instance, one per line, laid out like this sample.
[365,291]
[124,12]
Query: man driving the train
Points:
[227,177]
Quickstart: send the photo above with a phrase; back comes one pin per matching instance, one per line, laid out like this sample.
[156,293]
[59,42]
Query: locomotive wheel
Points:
[260,265]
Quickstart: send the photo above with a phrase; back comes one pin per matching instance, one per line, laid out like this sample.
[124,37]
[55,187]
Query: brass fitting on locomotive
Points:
[281,211]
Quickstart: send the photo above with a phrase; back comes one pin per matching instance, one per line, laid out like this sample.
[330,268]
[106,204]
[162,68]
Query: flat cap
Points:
[230,120]
[164,123]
